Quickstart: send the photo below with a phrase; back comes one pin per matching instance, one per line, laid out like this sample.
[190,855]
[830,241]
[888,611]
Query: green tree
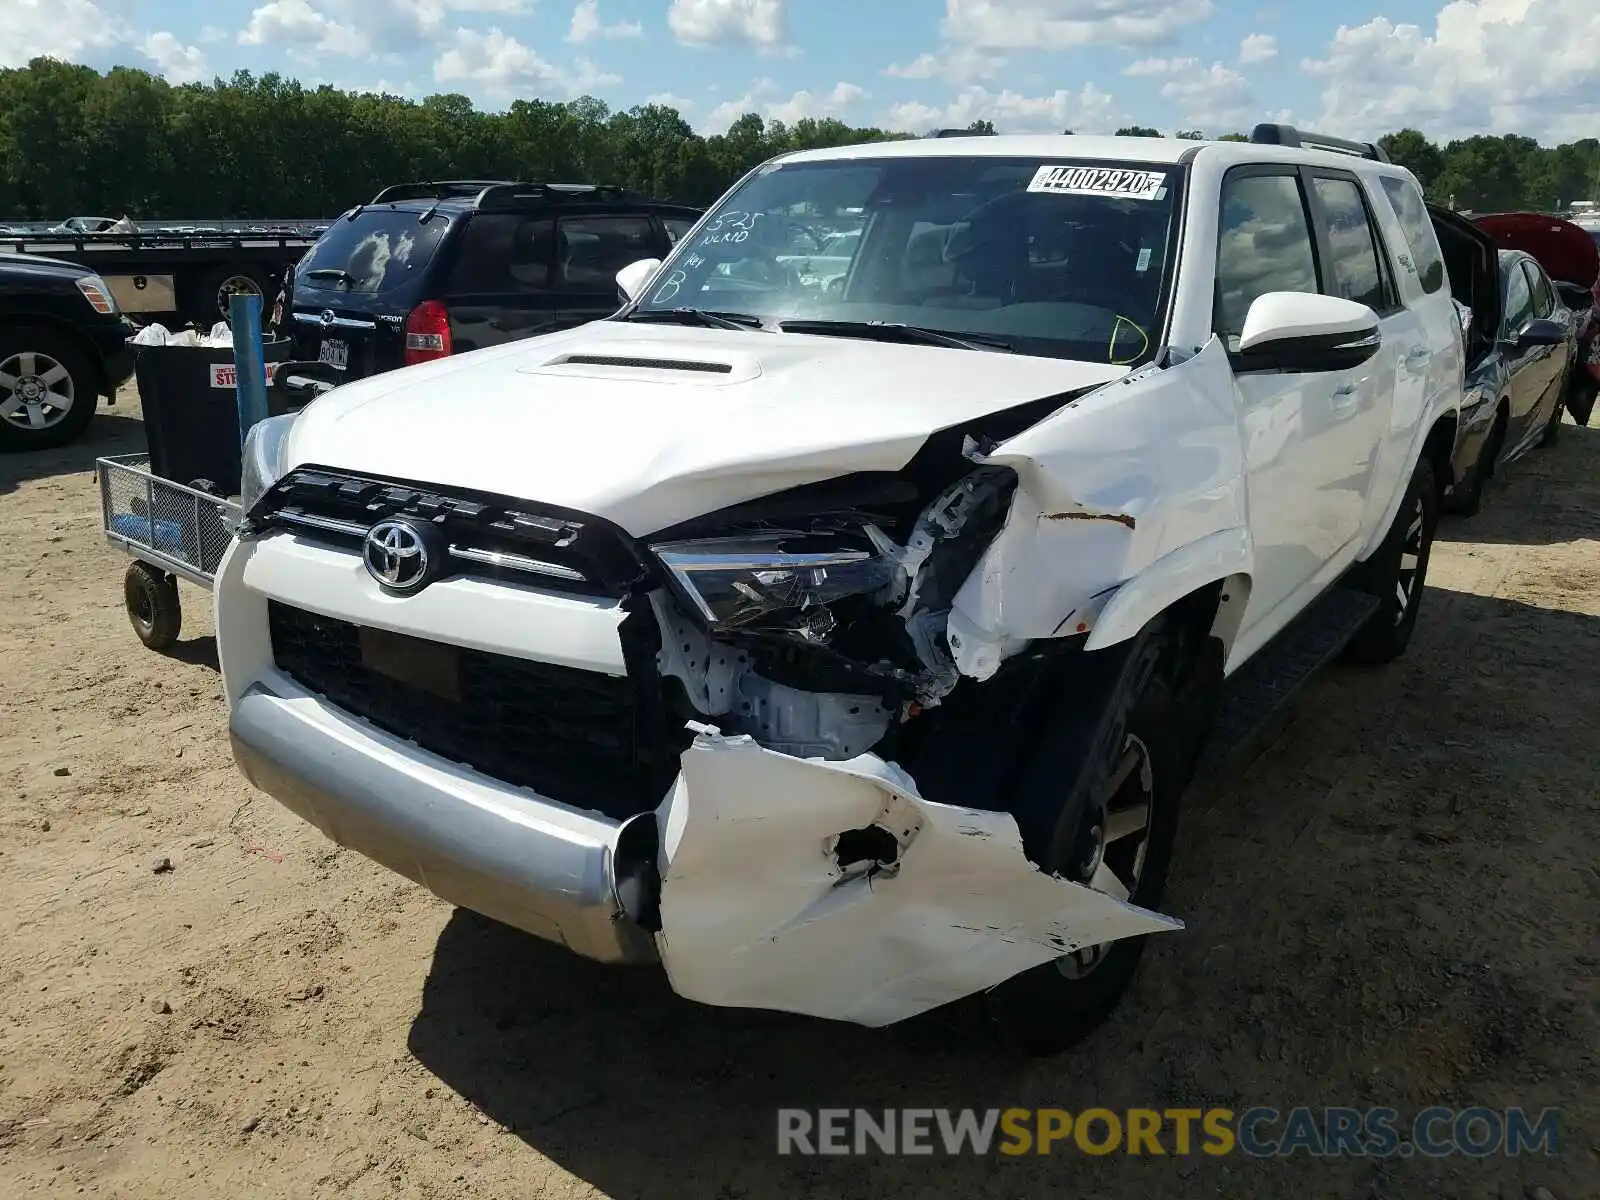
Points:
[1138,131]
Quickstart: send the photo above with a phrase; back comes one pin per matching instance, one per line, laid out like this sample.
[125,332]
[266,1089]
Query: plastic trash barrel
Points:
[191,413]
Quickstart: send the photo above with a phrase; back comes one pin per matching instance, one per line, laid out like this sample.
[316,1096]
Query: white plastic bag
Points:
[154,334]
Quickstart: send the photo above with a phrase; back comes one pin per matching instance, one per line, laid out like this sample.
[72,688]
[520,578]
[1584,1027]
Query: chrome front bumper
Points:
[505,852]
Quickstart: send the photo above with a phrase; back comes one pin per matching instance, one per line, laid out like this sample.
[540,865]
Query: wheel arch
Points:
[1210,577]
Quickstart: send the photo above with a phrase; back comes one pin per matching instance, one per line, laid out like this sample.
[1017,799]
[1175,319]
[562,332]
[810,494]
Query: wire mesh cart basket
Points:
[172,531]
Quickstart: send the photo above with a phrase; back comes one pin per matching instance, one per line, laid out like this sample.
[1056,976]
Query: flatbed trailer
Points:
[159,276]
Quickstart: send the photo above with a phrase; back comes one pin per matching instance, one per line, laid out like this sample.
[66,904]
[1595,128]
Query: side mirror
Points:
[1541,331]
[632,278]
[1305,331]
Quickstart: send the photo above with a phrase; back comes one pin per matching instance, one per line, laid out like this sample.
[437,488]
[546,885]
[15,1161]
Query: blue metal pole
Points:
[249,361]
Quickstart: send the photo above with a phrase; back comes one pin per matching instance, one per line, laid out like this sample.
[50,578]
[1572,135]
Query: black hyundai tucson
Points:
[426,270]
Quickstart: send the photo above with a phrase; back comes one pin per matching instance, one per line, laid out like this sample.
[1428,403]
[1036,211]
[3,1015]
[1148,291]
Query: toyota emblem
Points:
[396,554]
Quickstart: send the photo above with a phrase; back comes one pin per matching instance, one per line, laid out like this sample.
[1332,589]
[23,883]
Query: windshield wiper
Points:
[330,273]
[696,316]
[885,331]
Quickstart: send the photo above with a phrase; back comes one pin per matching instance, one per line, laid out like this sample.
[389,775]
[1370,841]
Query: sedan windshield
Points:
[1057,258]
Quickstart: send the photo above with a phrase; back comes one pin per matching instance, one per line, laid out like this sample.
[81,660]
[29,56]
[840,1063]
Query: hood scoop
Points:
[655,361]
[648,364]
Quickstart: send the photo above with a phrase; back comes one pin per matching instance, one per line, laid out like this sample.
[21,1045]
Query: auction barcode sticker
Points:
[1099,181]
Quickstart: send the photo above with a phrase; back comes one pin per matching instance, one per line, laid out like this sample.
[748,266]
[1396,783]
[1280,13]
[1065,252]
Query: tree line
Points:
[74,140]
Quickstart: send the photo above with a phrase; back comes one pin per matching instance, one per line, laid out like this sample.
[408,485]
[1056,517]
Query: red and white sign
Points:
[226,375]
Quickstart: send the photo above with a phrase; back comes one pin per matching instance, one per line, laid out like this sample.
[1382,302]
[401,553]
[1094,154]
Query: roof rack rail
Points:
[509,195]
[1287,135]
[433,189]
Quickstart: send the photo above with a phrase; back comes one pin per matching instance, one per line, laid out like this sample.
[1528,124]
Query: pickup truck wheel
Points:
[1118,767]
[211,296]
[47,390]
[1397,573]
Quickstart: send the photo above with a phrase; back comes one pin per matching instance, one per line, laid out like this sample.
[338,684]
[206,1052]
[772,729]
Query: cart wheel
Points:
[152,598]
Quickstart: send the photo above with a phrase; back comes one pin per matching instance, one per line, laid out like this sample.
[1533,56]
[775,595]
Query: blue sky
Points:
[1527,66]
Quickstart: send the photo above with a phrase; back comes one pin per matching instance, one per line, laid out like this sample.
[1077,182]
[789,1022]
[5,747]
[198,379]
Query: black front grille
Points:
[575,736]
[589,555]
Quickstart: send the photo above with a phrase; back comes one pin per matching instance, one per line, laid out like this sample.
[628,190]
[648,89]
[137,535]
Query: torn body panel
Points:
[1106,487]
[833,889]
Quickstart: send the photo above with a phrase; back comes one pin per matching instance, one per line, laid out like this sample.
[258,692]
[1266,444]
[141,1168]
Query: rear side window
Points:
[594,249]
[1354,272]
[1519,298]
[504,254]
[1264,245]
[1412,214]
[1544,300]
[380,250]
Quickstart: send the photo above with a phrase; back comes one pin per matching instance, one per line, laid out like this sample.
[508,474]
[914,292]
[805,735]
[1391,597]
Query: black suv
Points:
[430,269]
[63,345]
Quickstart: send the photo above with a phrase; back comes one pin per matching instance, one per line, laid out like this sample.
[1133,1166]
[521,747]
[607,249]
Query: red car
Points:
[1570,255]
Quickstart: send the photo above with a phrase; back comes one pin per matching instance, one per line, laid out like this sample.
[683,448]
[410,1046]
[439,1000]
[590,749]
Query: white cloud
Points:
[1205,97]
[1488,66]
[210,34]
[667,100]
[178,63]
[760,23]
[298,26]
[356,28]
[65,29]
[499,65]
[1056,24]
[805,104]
[587,25]
[1258,48]
[959,65]
[1012,112]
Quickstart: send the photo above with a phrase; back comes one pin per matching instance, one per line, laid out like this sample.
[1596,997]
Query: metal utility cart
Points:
[177,531]
[173,532]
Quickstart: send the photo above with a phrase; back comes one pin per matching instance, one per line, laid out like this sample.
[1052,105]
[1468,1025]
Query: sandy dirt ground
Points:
[1397,905]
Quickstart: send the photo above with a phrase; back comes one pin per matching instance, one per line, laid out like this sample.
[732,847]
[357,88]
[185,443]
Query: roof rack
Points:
[510,195]
[1288,135]
[434,189]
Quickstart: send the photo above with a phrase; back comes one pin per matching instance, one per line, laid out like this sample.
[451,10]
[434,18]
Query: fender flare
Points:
[1138,601]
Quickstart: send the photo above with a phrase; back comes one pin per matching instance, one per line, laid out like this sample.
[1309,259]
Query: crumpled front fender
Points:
[759,911]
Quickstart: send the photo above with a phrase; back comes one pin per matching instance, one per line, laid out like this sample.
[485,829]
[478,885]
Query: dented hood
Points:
[650,425]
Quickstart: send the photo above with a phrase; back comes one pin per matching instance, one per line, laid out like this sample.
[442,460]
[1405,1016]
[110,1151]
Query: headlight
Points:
[263,453]
[98,295]
[775,581]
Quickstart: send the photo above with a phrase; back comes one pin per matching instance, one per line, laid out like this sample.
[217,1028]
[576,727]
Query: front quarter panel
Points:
[1107,488]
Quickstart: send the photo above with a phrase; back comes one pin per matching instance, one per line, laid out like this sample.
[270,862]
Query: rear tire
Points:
[1397,574]
[151,596]
[209,303]
[1109,754]
[48,390]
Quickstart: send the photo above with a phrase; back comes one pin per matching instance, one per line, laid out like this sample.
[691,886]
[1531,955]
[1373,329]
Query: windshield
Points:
[380,250]
[1059,258]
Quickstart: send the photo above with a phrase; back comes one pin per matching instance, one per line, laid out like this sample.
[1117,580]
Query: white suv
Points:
[842,635]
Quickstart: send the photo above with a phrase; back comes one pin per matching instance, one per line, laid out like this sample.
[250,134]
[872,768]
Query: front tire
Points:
[48,390]
[1397,574]
[1120,759]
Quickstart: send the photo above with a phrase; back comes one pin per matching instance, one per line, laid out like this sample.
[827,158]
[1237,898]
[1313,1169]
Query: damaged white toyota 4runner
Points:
[840,628]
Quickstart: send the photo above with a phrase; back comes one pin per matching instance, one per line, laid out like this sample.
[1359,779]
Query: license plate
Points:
[428,666]
[335,353]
